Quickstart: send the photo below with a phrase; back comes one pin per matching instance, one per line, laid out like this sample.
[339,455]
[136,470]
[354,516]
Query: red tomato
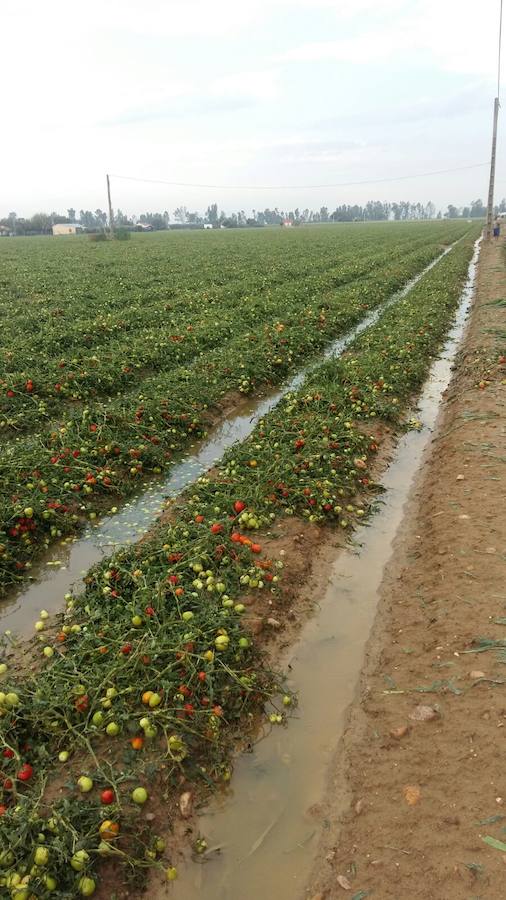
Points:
[82,703]
[236,537]
[8,784]
[239,506]
[3,809]
[25,772]
[8,753]
[256,548]
[107,796]
[216,528]
[126,649]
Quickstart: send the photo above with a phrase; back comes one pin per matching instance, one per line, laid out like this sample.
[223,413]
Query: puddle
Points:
[64,565]
[263,824]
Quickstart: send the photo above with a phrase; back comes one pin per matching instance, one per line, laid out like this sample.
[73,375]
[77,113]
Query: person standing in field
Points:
[497,228]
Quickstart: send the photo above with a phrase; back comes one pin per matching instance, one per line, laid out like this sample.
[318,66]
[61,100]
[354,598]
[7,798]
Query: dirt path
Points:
[420,796]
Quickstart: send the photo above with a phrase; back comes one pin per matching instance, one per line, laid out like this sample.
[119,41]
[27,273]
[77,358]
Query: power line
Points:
[281,187]
[490,202]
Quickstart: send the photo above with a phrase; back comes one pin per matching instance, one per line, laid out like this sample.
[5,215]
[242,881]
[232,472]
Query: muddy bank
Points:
[414,795]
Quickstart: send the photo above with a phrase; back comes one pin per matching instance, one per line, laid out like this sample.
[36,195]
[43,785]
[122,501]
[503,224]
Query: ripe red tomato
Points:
[8,753]
[239,506]
[107,796]
[8,784]
[126,649]
[81,703]
[216,528]
[3,809]
[25,772]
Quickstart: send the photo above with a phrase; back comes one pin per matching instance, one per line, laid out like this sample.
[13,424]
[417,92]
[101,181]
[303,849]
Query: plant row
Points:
[53,481]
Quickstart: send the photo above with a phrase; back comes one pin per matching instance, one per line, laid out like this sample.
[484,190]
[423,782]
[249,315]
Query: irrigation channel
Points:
[261,832]
[63,566]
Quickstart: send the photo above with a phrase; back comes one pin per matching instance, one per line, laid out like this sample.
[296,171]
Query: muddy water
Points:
[63,567]
[263,825]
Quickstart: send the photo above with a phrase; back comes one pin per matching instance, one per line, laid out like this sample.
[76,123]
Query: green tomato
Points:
[41,857]
[86,886]
[97,718]
[112,729]
[85,784]
[222,642]
[139,796]
[79,860]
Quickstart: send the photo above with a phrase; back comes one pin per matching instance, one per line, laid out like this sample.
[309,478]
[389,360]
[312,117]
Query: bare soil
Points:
[410,802]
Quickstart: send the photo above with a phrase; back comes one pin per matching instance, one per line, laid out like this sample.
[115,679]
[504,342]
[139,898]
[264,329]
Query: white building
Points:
[67,228]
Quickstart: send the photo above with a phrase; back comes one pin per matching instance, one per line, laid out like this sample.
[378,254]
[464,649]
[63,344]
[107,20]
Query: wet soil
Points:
[409,803]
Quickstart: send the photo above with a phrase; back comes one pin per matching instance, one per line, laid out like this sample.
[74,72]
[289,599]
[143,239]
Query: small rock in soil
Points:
[423,713]
[274,623]
[400,732]
[186,804]
[343,882]
[412,794]
[476,674]
[359,805]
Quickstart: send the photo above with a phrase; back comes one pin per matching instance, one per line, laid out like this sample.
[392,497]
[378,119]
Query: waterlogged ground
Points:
[422,765]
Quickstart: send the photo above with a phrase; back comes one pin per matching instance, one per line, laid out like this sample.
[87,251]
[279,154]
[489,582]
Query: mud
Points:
[408,802]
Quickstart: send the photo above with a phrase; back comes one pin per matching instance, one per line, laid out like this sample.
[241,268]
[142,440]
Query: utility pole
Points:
[490,203]
[111,214]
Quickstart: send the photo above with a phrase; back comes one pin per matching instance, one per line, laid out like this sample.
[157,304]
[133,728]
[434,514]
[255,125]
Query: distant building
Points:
[207,225]
[4,231]
[67,228]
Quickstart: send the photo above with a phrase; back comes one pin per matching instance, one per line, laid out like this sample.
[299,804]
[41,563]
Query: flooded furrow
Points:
[63,566]
[262,831]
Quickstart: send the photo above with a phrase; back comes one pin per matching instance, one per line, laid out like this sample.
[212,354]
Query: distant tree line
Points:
[373,211]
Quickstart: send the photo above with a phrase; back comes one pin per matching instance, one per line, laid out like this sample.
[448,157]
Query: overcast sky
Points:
[245,92]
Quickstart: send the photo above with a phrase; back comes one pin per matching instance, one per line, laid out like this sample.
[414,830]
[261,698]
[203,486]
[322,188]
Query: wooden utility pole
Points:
[490,204]
[111,214]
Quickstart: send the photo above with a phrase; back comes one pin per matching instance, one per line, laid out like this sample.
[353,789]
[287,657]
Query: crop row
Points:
[70,472]
[50,378]
[143,683]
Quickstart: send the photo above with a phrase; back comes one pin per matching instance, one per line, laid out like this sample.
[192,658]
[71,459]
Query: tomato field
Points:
[115,356]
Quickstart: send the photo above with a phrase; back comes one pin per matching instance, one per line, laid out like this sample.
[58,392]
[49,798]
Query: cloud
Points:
[445,34]
[472,98]
[184,100]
